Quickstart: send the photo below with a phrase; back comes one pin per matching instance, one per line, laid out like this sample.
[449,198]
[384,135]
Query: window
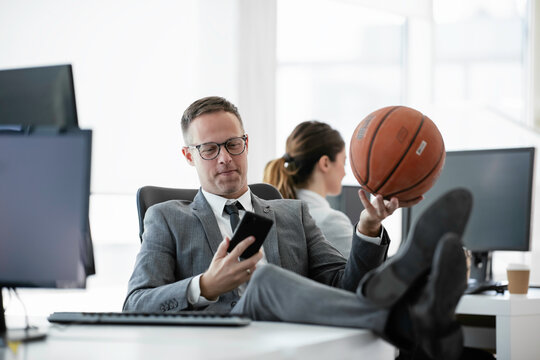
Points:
[480,55]
[336,62]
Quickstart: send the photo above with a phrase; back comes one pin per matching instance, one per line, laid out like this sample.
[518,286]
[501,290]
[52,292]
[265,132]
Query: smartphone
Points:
[251,225]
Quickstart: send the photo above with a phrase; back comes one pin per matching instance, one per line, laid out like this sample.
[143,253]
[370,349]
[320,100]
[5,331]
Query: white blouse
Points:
[335,225]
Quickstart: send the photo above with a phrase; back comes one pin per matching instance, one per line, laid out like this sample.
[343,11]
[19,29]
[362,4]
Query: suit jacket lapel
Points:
[271,246]
[203,211]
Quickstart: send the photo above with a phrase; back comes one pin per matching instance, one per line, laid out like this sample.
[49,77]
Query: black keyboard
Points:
[474,287]
[196,318]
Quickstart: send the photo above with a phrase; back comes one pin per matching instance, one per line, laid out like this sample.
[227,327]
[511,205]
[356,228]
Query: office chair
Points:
[151,195]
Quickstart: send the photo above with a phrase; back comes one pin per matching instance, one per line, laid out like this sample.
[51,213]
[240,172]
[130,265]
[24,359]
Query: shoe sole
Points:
[440,334]
[446,284]
[389,282]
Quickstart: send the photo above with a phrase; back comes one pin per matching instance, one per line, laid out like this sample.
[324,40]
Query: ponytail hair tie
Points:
[287,158]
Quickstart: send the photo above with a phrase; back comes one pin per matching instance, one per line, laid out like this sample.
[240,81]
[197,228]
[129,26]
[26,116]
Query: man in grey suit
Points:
[298,276]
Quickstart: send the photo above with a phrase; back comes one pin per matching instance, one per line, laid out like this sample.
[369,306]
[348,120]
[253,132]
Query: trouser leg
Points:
[275,294]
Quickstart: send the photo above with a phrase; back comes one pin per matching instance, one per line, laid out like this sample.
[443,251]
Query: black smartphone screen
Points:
[251,225]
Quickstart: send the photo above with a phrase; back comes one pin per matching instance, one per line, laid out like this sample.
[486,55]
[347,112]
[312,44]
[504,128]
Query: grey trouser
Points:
[276,294]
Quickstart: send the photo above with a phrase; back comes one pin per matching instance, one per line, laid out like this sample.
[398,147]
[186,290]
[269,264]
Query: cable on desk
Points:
[28,327]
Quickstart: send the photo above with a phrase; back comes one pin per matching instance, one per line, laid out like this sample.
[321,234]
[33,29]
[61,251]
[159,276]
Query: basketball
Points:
[397,151]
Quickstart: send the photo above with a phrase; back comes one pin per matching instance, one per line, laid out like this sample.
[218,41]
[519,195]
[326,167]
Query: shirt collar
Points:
[217,203]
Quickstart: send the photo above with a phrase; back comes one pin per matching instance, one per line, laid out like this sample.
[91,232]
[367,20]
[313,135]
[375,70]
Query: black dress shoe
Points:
[436,330]
[389,282]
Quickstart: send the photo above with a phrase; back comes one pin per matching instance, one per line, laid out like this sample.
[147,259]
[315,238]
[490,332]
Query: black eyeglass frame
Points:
[219,145]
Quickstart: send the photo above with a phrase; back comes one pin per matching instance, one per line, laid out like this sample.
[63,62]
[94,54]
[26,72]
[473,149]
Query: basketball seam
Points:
[421,180]
[362,183]
[373,140]
[402,156]
[356,172]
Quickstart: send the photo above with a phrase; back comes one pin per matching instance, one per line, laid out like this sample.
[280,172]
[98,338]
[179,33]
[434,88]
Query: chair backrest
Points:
[151,195]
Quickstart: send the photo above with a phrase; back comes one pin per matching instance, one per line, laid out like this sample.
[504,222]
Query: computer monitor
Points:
[40,100]
[348,202]
[500,181]
[44,199]
[38,96]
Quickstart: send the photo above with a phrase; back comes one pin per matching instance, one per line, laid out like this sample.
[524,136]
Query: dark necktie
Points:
[232,210]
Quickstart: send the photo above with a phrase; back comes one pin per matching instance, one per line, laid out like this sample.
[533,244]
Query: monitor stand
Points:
[481,275]
[16,335]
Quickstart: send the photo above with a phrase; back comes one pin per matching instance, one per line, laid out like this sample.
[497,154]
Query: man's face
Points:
[226,175]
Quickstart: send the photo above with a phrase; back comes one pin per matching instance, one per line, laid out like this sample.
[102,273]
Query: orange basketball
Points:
[397,151]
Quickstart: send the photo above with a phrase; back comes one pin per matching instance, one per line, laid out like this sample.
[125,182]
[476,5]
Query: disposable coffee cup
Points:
[518,278]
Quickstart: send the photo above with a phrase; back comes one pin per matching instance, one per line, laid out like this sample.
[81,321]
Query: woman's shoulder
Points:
[336,216]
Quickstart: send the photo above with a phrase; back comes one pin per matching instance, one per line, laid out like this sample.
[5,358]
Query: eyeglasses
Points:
[211,150]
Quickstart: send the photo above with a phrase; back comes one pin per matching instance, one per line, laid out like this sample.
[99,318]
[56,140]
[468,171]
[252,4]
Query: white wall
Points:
[132,77]
[137,65]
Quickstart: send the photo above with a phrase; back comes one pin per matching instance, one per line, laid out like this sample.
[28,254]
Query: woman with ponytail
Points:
[312,168]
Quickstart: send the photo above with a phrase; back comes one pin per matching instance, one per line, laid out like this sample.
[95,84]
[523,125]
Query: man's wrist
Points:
[205,292]
[372,231]
[380,239]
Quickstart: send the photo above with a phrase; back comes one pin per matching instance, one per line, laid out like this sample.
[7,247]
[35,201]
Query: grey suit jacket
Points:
[181,237]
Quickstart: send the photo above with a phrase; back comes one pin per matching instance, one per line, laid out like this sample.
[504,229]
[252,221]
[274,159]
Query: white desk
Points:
[517,324]
[259,340]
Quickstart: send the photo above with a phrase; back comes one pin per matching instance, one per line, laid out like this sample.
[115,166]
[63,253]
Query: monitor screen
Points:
[38,96]
[500,181]
[348,202]
[44,198]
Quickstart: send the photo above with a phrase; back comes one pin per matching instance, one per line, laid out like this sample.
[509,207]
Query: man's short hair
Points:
[207,105]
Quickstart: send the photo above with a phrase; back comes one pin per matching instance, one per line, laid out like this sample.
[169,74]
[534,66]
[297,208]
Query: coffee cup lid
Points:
[515,266]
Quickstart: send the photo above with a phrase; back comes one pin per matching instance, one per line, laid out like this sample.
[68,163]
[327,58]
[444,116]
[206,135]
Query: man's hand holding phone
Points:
[225,272]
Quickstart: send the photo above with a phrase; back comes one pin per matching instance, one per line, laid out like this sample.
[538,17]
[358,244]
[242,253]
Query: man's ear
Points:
[188,155]
[324,163]
[247,140]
